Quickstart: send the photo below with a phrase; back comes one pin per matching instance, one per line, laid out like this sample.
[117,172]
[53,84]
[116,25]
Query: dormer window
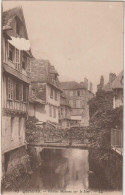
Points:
[17,26]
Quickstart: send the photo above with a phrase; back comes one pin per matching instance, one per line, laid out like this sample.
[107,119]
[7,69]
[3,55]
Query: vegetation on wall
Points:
[103,119]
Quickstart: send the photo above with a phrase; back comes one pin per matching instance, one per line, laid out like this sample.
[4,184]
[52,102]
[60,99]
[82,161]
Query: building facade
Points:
[64,112]
[15,86]
[46,86]
[78,95]
[117,87]
[113,89]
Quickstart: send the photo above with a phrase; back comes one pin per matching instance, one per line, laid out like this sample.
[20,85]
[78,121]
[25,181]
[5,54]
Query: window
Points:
[9,88]
[29,64]
[78,104]
[24,61]
[51,93]
[21,92]
[17,90]
[50,110]
[20,127]
[17,59]
[66,112]
[71,93]
[17,27]
[12,127]
[61,111]
[54,111]
[55,95]
[71,102]
[11,52]
[78,93]
[74,103]
[25,93]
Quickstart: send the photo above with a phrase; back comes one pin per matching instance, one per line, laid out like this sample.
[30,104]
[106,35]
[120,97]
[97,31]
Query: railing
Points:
[16,105]
[117,140]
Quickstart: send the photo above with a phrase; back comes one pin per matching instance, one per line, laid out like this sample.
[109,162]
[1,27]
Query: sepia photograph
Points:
[62,98]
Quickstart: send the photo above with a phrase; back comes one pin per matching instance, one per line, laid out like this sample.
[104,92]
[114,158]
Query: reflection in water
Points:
[78,169]
[66,169]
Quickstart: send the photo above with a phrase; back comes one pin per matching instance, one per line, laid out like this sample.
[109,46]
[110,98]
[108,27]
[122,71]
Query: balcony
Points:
[117,141]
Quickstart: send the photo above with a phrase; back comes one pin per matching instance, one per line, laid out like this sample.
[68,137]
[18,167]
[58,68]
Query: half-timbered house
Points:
[15,85]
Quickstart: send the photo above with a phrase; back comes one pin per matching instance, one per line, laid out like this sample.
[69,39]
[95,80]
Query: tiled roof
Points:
[41,72]
[107,87]
[118,82]
[36,100]
[9,15]
[53,70]
[72,85]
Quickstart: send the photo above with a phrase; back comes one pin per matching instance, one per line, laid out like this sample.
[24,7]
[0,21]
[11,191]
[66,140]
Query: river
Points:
[66,170]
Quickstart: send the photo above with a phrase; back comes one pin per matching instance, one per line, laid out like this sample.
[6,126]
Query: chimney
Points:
[101,85]
[86,83]
[112,77]
[102,82]
[90,87]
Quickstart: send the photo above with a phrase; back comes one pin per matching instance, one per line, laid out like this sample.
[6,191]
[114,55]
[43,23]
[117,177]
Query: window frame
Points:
[50,110]
[54,112]
[20,127]
[12,127]
[17,59]
[10,89]
[56,94]
[17,27]
[51,92]
[25,93]
[10,46]
[78,103]
[78,91]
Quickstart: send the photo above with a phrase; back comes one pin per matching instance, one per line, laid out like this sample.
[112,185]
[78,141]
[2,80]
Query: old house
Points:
[64,112]
[117,87]
[36,105]
[109,90]
[111,97]
[15,85]
[45,84]
[78,95]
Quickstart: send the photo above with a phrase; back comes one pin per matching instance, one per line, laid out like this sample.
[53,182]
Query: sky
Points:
[81,39]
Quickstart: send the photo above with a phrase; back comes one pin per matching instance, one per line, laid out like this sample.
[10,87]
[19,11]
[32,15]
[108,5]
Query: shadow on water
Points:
[67,169]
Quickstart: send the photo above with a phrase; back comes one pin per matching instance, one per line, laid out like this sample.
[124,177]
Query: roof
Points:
[9,15]
[16,73]
[41,72]
[72,85]
[36,100]
[53,71]
[107,87]
[118,82]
